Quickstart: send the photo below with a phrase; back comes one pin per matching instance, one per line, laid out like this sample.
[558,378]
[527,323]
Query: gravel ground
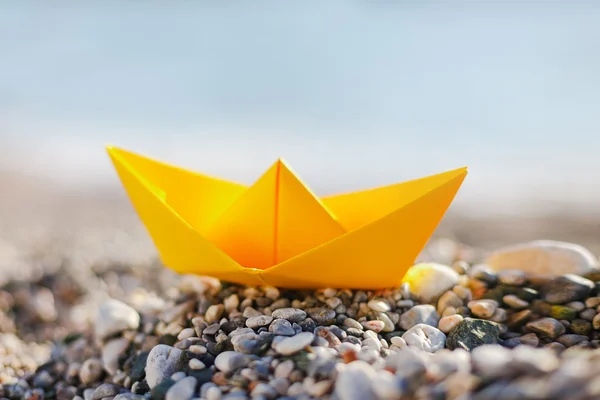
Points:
[466,332]
[87,312]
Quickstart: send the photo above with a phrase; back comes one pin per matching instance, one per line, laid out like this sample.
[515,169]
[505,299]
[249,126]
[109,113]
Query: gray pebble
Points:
[258,321]
[105,390]
[548,327]
[421,314]
[183,389]
[322,315]
[163,361]
[567,288]
[228,361]
[282,327]
[291,314]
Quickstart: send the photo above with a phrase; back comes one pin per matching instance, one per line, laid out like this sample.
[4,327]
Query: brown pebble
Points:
[348,356]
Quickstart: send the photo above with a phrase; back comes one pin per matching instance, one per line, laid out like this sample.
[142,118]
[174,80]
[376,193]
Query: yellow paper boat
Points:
[277,232]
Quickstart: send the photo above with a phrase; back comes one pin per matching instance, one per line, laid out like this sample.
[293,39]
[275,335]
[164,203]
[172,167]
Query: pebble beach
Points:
[521,323]
[87,311]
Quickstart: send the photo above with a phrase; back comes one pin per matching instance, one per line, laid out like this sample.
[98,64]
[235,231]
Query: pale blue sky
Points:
[355,92]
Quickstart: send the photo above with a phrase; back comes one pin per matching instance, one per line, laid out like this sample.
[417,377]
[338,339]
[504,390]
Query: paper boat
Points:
[277,232]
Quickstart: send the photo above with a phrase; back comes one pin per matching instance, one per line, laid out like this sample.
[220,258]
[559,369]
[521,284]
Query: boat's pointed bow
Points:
[376,255]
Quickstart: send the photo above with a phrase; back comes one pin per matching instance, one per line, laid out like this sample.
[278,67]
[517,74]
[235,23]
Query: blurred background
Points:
[353,94]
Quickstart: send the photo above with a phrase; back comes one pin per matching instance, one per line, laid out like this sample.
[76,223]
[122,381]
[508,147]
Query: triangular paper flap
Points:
[246,230]
[197,198]
[374,256]
[354,210]
[180,247]
[302,222]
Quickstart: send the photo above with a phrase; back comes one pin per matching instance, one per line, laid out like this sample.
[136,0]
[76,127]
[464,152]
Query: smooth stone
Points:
[105,390]
[250,312]
[354,382]
[111,352]
[163,361]
[211,329]
[231,303]
[352,323]
[425,337]
[544,257]
[378,305]
[183,389]
[291,314]
[514,302]
[563,312]
[567,288]
[548,327]
[258,321]
[446,324]
[399,342]
[322,315]
[529,339]
[472,333]
[421,314]
[581,327]
[178,375]
[91,371]
[592,302]
[113,317]
[371,343]
[214,313]
[388,324]
[483,308]
[596,322]
[428,281]
[196,364]
[375,325]
[588,314]
[569,340]
[229,361]
[282,327]
[294,344]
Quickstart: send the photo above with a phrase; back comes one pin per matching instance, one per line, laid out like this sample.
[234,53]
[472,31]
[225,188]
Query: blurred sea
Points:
[353,94]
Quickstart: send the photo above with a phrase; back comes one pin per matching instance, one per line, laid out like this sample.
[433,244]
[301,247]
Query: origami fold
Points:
[277,232]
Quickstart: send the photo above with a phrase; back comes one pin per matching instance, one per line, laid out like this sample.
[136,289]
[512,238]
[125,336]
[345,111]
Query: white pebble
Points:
[294,344]
[186,334]
[425,337]
[428,281]
[111,353]
[196,364]
[379,305]
[399,342]
[113,317]
[198,349]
